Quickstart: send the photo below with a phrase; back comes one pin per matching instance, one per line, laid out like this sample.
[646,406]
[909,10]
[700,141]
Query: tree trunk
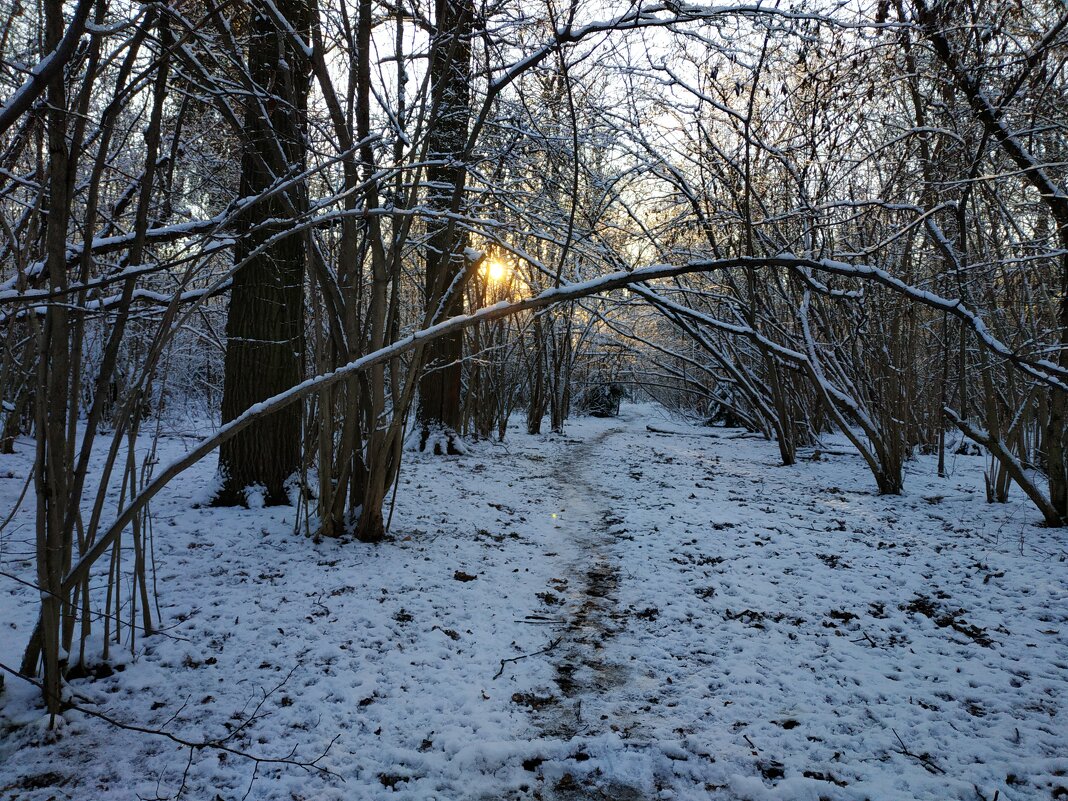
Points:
[439,390]
[265,326]
[52,466]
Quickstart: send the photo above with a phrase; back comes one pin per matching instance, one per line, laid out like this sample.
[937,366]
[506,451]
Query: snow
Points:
[711,625]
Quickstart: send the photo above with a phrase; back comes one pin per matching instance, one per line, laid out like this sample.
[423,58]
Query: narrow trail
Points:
[588,675]
[582,663]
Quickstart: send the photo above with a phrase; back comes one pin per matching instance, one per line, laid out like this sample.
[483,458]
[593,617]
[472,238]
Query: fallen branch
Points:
[923,759]
[815,454]
[552,644]
[656,430]
[866,638]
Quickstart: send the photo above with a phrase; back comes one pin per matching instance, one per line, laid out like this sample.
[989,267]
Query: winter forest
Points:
[533,399]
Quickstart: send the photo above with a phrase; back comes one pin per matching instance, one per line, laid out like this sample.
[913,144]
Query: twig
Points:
[197,745]
[867,637]
[18,503]
[923,759]
[552,644]
[255,770]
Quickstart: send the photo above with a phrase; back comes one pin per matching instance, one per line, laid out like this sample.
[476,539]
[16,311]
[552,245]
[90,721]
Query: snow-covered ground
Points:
[617,613]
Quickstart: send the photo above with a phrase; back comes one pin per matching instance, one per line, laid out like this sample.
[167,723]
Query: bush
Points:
[603,400]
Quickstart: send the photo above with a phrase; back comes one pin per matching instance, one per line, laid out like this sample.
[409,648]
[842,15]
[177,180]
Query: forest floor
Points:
[617,613]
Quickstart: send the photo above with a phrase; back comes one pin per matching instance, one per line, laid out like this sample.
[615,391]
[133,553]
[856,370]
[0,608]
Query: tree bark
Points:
[265,325]
[439,389]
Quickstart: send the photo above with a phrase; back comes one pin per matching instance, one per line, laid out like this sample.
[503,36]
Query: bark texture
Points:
[439,389]
[265,324]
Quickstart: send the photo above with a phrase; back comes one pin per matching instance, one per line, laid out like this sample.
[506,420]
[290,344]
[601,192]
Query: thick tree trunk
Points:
[440,409]
[265,326]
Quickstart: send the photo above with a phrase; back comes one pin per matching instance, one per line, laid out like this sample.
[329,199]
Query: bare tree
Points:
[265,324]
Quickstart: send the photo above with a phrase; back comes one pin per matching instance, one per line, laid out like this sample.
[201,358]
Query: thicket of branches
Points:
[333,229]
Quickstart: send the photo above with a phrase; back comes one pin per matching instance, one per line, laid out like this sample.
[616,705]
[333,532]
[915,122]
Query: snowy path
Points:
[760,632]
[599,694]
[724,628]
[581,660]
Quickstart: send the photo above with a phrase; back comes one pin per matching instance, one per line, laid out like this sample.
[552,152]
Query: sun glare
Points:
[496,271]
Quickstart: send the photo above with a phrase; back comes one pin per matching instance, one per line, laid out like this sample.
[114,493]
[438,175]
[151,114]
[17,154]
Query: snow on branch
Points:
[23,97]
[1044,371]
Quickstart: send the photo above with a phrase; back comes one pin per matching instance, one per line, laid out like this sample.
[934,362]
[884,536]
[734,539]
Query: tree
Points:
[265,324]
[440,410]
[828,261]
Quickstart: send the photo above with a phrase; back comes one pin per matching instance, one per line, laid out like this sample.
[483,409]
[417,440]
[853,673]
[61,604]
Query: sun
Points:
[496,271]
